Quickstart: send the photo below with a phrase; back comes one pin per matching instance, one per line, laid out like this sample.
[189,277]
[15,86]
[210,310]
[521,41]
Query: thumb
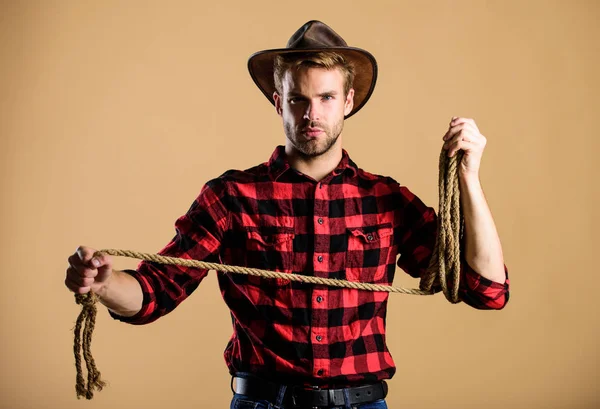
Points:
[103,263]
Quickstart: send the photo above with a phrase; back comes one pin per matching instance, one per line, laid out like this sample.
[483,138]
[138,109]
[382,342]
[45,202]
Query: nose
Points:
[312,112]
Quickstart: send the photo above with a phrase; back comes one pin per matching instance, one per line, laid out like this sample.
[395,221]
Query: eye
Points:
[295,100]
[327,97]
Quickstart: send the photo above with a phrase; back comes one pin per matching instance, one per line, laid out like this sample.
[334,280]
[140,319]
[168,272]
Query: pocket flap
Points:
[371,234]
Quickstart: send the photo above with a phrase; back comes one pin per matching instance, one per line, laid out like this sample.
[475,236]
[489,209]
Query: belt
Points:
[298,396]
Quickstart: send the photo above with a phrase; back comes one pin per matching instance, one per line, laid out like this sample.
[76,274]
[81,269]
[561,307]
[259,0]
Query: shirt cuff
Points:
[483,293]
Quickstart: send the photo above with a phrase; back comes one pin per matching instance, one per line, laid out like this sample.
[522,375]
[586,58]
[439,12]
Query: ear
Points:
[349,104]
[277,99]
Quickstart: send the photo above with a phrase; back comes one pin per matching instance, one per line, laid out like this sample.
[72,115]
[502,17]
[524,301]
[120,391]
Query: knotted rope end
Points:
[84,328]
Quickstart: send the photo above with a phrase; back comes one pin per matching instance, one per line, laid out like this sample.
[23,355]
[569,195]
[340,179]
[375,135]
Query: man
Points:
[308,210]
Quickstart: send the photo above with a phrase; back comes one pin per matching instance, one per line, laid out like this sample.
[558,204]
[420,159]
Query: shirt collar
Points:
[278,164]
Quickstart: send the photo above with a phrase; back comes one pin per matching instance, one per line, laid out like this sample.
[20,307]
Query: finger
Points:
[75,261]
[461,145]
[464,125]
[79,280]
[83,279]
[460,120]
[85,254]
[80,268]
[461,135]
[102,262]
[465,132]
[469,121]
[452,131]
[75,288]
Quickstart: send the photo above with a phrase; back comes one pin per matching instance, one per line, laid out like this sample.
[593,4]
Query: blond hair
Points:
[321,59]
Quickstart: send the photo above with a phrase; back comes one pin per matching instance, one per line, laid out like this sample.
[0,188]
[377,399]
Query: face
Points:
[312,106]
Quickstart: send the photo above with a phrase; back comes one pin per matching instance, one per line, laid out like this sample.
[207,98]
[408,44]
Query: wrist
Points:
[468,177]
[102,289]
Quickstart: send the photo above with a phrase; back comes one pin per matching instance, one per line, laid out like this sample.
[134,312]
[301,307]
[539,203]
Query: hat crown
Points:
[315,34]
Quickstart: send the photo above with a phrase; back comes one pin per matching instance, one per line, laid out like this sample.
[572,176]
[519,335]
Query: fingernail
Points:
[95,262]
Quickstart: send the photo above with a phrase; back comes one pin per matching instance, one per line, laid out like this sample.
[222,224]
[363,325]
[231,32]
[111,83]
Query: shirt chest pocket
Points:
[271,249]
[368,253]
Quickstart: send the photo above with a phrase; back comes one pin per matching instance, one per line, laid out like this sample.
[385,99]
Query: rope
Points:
[443,269]
[444,266]
[83,341]
[332,282]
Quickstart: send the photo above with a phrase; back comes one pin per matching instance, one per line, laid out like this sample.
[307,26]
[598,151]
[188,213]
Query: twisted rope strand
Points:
[444,266]
[444,269]
[332,282]
[82,345]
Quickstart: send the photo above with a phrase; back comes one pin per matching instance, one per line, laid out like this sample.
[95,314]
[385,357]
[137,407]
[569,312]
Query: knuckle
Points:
[73,272]
[72,259]
[87,273]
[85,253]
[87,281]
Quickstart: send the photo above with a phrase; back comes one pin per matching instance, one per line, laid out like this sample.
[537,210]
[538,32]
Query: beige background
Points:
[114,114]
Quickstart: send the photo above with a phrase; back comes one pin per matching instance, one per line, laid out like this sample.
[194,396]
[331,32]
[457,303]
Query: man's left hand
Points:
[464,135]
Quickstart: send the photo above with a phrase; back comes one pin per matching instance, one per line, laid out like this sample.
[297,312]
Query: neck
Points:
[317,167]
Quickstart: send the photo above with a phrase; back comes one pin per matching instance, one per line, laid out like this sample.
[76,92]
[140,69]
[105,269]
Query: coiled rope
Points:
[444,269]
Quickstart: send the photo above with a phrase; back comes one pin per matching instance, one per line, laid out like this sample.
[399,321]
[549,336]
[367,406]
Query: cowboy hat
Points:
[316,36]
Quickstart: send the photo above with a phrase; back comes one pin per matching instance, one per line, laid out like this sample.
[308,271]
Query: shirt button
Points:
[319,299]
[319,338]
[320,372]
[320,258]
[320,220]
[370,237]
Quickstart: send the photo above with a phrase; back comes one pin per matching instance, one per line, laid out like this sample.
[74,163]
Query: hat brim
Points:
[260,66]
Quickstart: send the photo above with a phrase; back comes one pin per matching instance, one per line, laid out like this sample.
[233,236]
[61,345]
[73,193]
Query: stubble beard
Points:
[312,148]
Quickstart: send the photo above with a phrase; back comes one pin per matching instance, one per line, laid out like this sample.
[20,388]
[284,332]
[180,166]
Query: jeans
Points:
[244,402]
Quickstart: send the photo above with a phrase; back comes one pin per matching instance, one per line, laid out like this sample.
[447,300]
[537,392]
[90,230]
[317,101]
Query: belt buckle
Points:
[295,388]
[315,388]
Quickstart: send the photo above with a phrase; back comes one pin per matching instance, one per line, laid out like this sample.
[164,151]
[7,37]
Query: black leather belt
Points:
[301,397]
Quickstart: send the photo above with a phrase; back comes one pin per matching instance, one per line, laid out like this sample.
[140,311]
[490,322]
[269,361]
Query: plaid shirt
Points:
[351,225]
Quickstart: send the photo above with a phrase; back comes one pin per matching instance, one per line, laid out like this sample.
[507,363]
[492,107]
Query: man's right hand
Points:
[88,273]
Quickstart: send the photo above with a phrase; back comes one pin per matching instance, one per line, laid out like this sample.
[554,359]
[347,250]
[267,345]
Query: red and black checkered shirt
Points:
[351,225]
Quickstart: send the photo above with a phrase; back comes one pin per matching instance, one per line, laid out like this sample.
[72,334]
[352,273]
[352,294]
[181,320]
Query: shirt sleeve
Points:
[198,236]
[417,235]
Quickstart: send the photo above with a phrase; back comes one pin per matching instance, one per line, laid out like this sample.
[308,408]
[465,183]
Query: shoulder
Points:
[373,181]
[251,175]
[383,186]
[232,179]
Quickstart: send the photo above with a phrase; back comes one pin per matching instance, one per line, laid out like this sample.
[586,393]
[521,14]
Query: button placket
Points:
[320,259]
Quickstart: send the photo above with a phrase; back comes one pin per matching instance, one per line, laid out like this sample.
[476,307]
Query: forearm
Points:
[122,294]
[483,251]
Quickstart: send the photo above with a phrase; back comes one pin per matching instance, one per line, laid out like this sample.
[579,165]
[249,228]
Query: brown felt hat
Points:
[316,36]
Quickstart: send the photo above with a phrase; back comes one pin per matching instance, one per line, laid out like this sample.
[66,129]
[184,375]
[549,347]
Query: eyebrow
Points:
[322,94]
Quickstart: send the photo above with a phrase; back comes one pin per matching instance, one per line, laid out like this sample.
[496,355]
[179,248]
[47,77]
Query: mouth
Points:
[312,132]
